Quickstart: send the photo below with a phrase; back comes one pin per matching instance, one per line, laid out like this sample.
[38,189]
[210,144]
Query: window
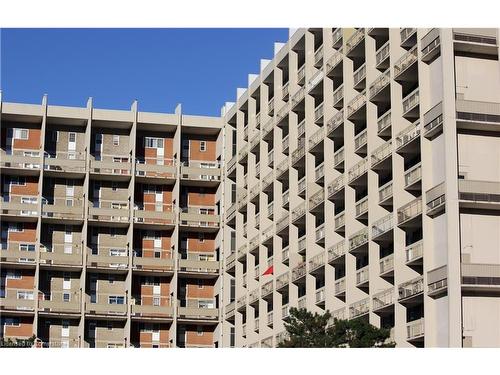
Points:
[26,247]
[202,193]
[200,284]
[116,140]
[114,186]
[110,328]
[112,232]
[156,301]
[199,330]
[18,180]
[12,322]
[72,137]
[116,300]
[201,237]
[16,227]
[153,142]
[111,279]
[13,275]
[55,136]
[203,146]
[21,133]
[66,297]
[69,202]
[24,294]
[155,346]
[157,253]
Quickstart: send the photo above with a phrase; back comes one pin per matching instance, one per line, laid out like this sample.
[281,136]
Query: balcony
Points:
[413,178]
[301,186]
[384,125]
[382,57]
[362,277]
[436,199]
[285,254]
[299,212]
[282,224]
[151,311]
[385,194]
[109,261]
[479,194]
[255,141]
[333,126]
[267,290]
[192,217]
[270,106]
[111,165]
[152,264]
[415,330]
[320,234]
[116,211]
[387,266]
[165,216]
[299,273]
[339,222]
[359,77]
[406,140]
[359,170]
[408,36]
[383,302]
[156,168]
[285,91]
[481,279]
[301,75]
[433,121]
[302,244]
[437,282]
[302,302]
[56,254]
[201,171]
[28,211]
[253,297]
[286,144]
[414,253]
[336,253]
[410,214]
[103,308]
[339,158]
[479,41]
[316,138]
[231,166]
[29,161]
[382,229]
[355,106]
[335,187]
[317,263]
[270,158]
[319,172]
[380,88]
[360,142]
[380,157]
[318,57]
[405,69]
[340,287]
[361,209]
[58,209]
[320,296]
[298,155]
[17,304]
[337,38]
[338,97]
[196,265]
[54,303]
[256,272]
[11,252]
[359,308]
[410,291]
[316,200]
[285,311]
[198,313]
[63,161]
[281,169]
[353,45]
[282,281]
[358,242]
[411,104]
[431,46]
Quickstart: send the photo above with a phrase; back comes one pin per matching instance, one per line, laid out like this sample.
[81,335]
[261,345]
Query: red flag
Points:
[269,271]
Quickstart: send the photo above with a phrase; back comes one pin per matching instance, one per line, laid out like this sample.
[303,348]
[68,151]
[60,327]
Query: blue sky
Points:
[200,68]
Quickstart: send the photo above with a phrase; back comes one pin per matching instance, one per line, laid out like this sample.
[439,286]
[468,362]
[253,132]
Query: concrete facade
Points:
[362,165]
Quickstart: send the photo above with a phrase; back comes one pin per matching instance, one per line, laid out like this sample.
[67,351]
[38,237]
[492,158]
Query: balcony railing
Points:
[362,275]
[66,161]
[358,170]
[407,135]
[359,308]
[302,302]
[383,299]
[316,138]
[282,223]
[362,206]
[316,262]
[282,280]
[320,233]
[340,286]
[316,199]
[109,261]
[385,192]
[386,264]
[267,288]
[156,167]
[318,55]
[336,251]
[381,153]
[319,172]
[335,122]
[411,101]
[301,73]
[285,254]
[302,243]
[338,94]
[301,186]
[384,122]
[382,53]
[413,175]
[380,83]
[56,253]
[360,140]
[193,263]
[285,311]
[299,271]
[358,239]
[414,251]
[285,90]
[405,61]
[355,104]
[339,156]
[339,220]
[354,40]
[111,164]
[336,36]
[359,74]
[382,225]
[415,329]
[336,185]
[320,295]
[28,160]
[409,211]
[286,143]
[411,288]
[406,32]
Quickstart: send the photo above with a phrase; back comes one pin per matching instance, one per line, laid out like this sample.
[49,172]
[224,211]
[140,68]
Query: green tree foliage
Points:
[307,330]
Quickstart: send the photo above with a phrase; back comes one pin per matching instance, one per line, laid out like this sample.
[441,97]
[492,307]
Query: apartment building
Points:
[110,225]
[363,166]
[359,173]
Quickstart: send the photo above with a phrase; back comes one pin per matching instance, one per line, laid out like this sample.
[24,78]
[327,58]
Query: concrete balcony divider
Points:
[151,263]
[107,261]
[198,172]
[59,211]
[167,170]
[65,162]
[109,214]
[20,161]
[199,220]
[198,313]
[105,308]
[18,209]
[203,266]
[16,255]
[152,311]
[108,166]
